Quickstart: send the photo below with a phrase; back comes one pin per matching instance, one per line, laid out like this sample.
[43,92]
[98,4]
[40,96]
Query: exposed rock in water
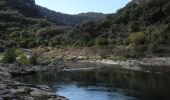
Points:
[11,90]
[22,70]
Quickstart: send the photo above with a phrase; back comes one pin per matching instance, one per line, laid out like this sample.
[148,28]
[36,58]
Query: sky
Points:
[79,6]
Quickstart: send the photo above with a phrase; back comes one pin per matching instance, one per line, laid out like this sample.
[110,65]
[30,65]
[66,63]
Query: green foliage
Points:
[134,27]
[49,32]
[19,57]
[9,56]
[145,24]
[33,59]
[52,44]
[104,56]
[155,36]
[101,41]
[23,60]
[1,58]
[138,51]
[137,38]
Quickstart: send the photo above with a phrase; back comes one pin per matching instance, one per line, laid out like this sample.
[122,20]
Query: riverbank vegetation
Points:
[19,57]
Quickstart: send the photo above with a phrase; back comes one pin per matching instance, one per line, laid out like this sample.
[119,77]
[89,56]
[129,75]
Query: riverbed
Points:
[106,82]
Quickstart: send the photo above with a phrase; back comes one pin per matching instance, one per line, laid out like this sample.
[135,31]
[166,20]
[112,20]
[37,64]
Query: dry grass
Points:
[88,52]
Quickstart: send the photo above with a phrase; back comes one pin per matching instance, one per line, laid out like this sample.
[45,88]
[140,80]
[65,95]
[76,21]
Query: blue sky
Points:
[78,6]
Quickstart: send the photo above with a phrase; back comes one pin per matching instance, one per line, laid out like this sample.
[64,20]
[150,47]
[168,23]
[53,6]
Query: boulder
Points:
[18,91]
[40,94]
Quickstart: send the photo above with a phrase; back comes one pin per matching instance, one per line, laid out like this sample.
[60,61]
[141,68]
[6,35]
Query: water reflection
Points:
[106,83]
[83,92]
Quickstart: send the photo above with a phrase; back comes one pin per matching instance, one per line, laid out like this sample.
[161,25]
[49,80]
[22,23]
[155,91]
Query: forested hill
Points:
[69,20]
[29,9]
[142,25]
[21,20]
[25,7]
[99,16]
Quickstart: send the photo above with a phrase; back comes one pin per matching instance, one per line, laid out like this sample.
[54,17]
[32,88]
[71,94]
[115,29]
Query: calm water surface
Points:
[106,83]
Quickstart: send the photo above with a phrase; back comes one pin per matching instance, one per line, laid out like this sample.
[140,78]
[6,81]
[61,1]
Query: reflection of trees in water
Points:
[145,84]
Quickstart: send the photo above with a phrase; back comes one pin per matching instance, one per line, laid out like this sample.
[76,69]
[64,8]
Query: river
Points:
[107,82]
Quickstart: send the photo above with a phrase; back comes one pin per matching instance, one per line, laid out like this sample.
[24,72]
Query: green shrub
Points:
[138,51]
[137,38]
[14,34]
[104,56]
[18,52]
[77,44]
[134,27]
[19,57]
[101,41]
[90,43]
[33,59]
[52,44]
[9,56]
[155,36]
[23,60]
[50,32]
[1,59]
[127,55]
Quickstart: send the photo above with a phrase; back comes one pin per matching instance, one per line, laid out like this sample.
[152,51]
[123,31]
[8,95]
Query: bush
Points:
[134,27]
[101,41]
[50,32]
[9,56]
[19,57]
[33,59]
[138,51]
[23,60]
[52,44]
[155,36]
[137,38]
[1,59]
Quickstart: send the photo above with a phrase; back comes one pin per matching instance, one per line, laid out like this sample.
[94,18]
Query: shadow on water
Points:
[106,83]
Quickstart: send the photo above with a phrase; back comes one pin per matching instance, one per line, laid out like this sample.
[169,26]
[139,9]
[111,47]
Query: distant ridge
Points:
[69,20]
[98,16]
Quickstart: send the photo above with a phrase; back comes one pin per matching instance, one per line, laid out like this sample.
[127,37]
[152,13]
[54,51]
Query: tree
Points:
[101,41]
[9,56]
[137,38]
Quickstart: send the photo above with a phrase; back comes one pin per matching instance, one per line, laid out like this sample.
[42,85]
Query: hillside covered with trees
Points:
[23,20]
[144,27]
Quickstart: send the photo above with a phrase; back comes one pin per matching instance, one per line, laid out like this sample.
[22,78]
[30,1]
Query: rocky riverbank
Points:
[135,64]
[12,90]
[14,70]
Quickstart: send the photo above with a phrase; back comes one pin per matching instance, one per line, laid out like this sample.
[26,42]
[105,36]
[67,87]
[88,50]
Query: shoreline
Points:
[134,64]
[13,89]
